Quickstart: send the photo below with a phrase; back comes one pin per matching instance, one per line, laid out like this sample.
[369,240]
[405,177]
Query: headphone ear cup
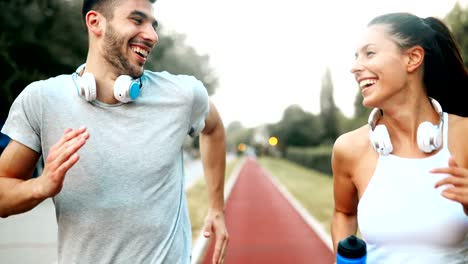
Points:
[437,137]
[126,89]
[429,137]
[87,86]
[380,140]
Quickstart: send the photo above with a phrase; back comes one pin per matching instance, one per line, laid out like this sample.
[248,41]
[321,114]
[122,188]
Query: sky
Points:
[271,54]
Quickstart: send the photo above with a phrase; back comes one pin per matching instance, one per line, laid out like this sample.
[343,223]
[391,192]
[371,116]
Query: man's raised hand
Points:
[62,156]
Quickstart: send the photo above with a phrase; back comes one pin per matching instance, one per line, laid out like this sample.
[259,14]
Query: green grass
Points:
[197,200]
[312,189]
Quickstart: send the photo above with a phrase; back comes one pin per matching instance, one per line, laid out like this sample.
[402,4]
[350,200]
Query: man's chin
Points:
[141,68]
[137,71]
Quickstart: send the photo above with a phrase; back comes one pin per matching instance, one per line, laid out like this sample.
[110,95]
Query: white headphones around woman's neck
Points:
[429,136]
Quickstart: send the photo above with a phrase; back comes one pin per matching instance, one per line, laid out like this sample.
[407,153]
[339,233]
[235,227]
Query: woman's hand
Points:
[458,183]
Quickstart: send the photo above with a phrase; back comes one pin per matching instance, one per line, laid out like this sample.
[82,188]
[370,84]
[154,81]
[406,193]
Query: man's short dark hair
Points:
[104,7]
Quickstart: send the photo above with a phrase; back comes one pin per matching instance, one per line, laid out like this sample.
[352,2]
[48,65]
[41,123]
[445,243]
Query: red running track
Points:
[264,227]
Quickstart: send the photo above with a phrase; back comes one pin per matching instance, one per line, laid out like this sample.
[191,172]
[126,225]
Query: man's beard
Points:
[112,54]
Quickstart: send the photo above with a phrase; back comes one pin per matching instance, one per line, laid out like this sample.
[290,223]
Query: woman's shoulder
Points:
[354,140]
[457,140]
[351,144]
[352,153]
[457,128]
[457,122]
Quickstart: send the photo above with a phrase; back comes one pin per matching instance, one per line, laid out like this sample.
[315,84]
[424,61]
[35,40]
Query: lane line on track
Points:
[308,218]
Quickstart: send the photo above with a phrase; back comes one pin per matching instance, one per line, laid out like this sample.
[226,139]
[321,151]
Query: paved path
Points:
[265,228]
[194,170]
[30,237]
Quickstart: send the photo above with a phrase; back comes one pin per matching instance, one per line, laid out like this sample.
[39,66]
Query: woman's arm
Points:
[344,221]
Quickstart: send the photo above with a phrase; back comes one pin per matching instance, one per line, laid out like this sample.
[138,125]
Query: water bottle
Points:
[351,250]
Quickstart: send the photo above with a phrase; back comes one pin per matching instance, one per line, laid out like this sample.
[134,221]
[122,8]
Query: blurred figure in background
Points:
[112,136]
[403,178]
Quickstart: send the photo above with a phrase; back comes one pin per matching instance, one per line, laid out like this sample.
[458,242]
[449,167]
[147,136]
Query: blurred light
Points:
[241,147]
[273,141]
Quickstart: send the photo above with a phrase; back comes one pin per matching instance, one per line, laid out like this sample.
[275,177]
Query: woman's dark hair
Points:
[445,75]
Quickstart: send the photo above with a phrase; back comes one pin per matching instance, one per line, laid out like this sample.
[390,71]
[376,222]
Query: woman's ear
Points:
[415,58]
[95,22]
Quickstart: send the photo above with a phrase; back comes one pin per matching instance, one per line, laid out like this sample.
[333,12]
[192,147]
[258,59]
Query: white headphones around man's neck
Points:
[126,88]
[429,136]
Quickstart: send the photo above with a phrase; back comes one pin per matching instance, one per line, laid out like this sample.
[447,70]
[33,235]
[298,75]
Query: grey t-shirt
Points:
[124,201]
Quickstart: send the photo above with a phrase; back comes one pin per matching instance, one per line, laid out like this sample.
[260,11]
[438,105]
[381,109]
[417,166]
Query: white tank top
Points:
[404,219]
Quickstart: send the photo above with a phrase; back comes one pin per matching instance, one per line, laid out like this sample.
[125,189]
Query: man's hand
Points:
[458,183]
[214,223]
[62,156]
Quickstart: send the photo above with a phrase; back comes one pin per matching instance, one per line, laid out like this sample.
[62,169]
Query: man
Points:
[112,136]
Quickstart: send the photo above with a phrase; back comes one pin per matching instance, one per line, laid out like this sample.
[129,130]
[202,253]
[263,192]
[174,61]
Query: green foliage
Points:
[359,109]
[361,114]
[328,110]
[318,158]
[297,128]
[38,39]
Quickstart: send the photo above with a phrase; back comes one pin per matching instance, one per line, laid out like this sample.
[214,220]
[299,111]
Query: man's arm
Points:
[213,154]
[17,164]
[19,192]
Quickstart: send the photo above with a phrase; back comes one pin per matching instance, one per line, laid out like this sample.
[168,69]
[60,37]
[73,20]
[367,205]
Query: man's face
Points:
[130,36]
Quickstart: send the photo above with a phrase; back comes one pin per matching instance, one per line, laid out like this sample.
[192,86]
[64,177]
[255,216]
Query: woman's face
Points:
[379,66]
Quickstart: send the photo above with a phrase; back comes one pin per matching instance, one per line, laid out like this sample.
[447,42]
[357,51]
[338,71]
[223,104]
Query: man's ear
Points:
[415,58]
[95,22]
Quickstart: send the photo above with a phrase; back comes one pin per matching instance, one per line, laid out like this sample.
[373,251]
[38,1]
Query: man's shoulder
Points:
[176,83]
[171,77]
[58,80]
[45,86]
[49,82]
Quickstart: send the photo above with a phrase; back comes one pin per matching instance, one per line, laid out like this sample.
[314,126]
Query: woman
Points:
[404,177]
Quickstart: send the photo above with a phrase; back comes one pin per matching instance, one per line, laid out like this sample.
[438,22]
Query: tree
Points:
[328,110]
[52,43]
[361,113]
[297,128]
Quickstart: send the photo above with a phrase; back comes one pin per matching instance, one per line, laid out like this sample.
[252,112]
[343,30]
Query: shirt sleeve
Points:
[23,122]
[200,107]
